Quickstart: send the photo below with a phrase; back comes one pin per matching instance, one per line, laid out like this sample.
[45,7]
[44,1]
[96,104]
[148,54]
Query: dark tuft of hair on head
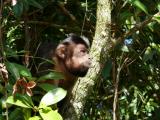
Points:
[77,39]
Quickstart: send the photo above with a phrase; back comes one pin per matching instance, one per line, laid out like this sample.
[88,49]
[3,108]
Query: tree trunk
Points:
[99,53]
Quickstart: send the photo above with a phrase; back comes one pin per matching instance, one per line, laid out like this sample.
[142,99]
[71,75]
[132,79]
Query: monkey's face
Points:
[78,62]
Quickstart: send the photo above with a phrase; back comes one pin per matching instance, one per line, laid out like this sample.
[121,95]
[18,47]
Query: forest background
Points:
[127,85]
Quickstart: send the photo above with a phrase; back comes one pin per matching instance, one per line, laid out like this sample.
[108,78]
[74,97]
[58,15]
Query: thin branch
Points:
[137,27]
[56,26]
[66,12]
[115,102]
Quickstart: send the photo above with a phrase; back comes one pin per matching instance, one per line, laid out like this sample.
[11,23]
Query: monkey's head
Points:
[73,54]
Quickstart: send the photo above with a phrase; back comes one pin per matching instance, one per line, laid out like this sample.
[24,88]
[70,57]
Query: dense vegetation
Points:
[133,68]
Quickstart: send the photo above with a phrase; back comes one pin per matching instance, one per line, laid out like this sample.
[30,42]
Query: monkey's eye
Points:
[83,51]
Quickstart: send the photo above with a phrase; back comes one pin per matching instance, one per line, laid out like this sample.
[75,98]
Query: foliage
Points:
[24,82]
[24,25]
[136,54]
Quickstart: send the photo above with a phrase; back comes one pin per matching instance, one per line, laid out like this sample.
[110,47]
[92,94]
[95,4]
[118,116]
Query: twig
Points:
[66,12]
[115,102]
[136,28]
[55,25]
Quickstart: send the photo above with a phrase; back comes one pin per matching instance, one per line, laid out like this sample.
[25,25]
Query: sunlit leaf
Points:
[52,97]
[27,113]
[125,48]
[35,118]
[158,6]
[20,100]
[157,18]
[48,114]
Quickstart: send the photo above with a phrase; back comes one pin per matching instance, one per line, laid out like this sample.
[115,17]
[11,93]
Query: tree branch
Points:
[136,28]
[99,51]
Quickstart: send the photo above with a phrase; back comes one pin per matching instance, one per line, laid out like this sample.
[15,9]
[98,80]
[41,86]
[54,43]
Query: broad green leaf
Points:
[23,70]
[47,87]
[52,97]
[51,76]
[35,4]
[18,70]
[48,114]
[13,70]
[35,118]
[20,100]
[139,5]
[18,8]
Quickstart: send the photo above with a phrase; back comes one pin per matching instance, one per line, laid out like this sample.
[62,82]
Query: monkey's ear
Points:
[61,50]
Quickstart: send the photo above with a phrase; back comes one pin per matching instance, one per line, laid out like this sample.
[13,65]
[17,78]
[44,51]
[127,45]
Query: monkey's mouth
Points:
[88,64]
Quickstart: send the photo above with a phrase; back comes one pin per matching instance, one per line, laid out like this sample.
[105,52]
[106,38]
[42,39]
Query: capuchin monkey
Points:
[71,58]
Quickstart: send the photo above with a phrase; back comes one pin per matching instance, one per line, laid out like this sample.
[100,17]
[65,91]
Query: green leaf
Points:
[27,113]
[15,114]
[51,76]
[20,100]
[52,97]
[13,70]
[125,48]
[125,15]
[18,9]
[48,114]
[157,18]
[2,117]
[35,118]
[47,87]
[148,55]
[158,6]
[35,4]
[18,70]
[139,5]
[23,70]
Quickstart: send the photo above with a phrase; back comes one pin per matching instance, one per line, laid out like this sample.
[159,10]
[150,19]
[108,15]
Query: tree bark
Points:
[99,52]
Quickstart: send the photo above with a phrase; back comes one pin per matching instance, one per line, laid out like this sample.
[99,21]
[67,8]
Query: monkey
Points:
[71,58]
